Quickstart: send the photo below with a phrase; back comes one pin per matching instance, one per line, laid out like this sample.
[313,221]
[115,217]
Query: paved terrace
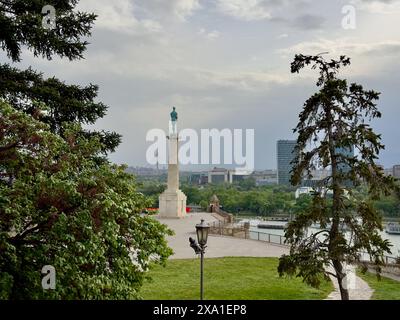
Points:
[224,246]
[217,246]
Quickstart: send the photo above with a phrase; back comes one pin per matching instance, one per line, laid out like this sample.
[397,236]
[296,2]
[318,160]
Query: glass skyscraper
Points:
[343,166]
[348,153]
[285,155]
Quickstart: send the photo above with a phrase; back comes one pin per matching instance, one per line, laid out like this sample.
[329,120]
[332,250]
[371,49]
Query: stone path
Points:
[359,290]
[219,246]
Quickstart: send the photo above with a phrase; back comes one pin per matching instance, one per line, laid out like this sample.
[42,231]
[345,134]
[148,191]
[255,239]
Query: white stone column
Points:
[173,165]
[172,202]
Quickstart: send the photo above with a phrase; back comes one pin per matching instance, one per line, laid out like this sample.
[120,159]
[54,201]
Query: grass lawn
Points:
[228,278]
[385,289]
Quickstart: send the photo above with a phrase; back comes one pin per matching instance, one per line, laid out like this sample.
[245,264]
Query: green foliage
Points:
[302,204]
[228,278]
[336,118]
[152,190]
[389,206]
[239,199]
[246,184]
[61,202]
[21,25]
[193,194]
[58,207]
[252,200]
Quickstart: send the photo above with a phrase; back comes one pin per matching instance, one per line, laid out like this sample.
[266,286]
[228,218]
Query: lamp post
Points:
[199,248]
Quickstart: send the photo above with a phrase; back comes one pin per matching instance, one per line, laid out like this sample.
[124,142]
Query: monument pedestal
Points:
[172,204]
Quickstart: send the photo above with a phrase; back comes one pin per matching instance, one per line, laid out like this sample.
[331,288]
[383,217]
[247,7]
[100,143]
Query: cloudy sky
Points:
[226,64]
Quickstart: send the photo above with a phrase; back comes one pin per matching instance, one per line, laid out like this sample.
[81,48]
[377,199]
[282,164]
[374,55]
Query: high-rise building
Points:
[344,167]
[346,152]
[285,155]
[396,171]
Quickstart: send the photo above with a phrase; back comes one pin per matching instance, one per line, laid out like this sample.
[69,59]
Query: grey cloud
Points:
[167,10]
[308,22]
[383,1]
[384,49]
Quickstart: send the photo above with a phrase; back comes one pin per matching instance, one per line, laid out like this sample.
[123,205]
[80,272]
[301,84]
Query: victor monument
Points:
[172,202]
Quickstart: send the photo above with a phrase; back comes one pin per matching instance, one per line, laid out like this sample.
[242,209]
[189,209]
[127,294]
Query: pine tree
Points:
[334,119]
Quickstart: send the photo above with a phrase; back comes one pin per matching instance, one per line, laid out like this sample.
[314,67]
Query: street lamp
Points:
[202,233]
[199,248]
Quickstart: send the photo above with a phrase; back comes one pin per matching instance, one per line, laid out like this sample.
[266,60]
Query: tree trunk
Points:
[336,209]
[344,292]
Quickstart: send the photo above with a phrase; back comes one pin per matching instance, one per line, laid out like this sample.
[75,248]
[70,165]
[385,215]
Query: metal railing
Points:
[364,256]
[240,231]
[267,237]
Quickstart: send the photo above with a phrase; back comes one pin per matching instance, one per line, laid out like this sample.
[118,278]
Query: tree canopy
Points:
[21,25]
[59,208]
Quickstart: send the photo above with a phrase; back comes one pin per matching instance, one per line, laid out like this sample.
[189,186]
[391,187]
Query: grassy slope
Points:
[385,289]
[228,278]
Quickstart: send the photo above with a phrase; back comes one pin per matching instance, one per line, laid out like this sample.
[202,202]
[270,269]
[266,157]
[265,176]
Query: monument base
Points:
[172,204]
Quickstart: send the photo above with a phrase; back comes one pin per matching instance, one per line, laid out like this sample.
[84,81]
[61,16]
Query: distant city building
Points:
[265,177]
[303,190]
[285,155]
[235,176]
[345,167]
[218,175]
[198,178]
[396,171]
[388,172]
[145,171]
[316,177]
[266,182]
[222,175]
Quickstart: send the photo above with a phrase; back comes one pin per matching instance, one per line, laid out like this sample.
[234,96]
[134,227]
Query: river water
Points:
[275,233]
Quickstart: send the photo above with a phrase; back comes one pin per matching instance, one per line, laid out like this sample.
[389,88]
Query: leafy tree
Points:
[152,189]
[192,193]
[246,184]
[59,204]
[302,204]
[21,26]
[335,119]
[389,206]
[59,208]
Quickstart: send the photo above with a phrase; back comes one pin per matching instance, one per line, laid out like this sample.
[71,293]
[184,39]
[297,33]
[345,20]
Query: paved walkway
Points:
[234,247]
[359,290]
[217,246]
